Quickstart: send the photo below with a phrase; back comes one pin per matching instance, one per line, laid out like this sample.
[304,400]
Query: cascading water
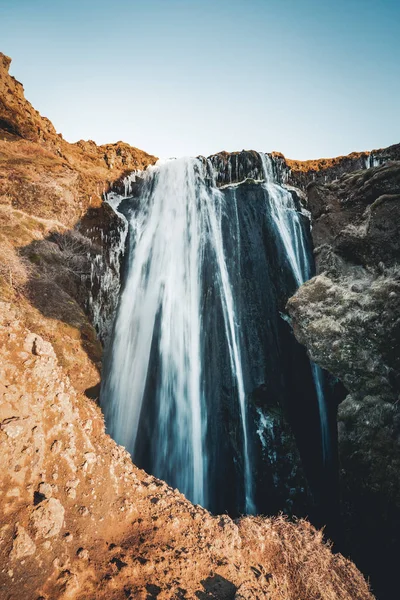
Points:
[160,311]
[198,331]
[287,222]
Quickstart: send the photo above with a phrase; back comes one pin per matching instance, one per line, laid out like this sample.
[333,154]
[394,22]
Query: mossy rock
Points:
[35,258]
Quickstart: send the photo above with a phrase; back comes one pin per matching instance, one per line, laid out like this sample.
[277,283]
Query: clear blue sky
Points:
[309,78]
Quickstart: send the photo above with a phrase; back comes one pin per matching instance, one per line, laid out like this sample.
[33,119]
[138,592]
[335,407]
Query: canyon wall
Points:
[349,319]
[78,519]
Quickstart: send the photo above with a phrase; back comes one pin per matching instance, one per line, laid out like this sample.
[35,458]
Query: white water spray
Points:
[178,218]
[287,220]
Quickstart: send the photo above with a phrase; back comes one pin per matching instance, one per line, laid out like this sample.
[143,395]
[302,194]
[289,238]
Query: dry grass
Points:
[301,564]
[60,255]
[14,270]
[16,230]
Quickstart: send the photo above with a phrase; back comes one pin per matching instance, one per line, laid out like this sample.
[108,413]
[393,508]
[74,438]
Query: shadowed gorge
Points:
[200,331]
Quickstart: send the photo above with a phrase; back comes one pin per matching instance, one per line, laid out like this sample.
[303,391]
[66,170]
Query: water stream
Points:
[195,334]
[286,218]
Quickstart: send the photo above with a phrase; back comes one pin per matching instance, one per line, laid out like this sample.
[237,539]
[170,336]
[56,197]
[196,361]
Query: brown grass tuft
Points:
[300,564]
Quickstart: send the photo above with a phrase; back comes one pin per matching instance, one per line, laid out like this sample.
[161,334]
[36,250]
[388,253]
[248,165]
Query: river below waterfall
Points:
[204,382]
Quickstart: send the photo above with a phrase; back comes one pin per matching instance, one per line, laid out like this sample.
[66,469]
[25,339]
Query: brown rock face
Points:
[349,319]
[41,173]
[18,118]
[48,518]
[79,520]
[52,223]
[22,545]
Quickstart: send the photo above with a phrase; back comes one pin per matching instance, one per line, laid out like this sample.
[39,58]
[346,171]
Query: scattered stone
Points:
[56,446]
[38,346]
[43,348]
[12,427]
[48,518]
[90,457]
[83,553]
[69,582]
[71,493]
[72,483]
[22,544]
[119,564]
[358,287]
[45,489]
[87,425]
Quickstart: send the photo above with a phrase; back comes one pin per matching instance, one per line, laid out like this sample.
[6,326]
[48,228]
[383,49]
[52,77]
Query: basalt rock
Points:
[235,167]
[325,170]
[349,319]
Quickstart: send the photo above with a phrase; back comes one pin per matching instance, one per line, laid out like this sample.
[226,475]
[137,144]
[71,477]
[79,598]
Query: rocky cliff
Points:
[234,167]
[349,319]
[77,518]
[53,227]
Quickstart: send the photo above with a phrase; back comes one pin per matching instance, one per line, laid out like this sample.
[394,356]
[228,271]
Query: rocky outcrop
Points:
[18,118]
[20,121]
[357,217]
[349,319]
[300,173]
[234,167]
[41,173]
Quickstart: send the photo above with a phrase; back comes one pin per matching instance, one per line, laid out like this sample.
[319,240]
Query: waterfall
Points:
[286,218]
[160,311]
[198,329]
